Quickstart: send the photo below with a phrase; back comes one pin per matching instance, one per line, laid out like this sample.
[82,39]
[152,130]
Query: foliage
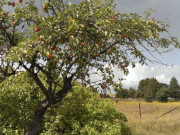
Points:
[131,92]
[153,90]
[162,95]
[122,92]
[149,96]
[1,77]
[173,86]
[81,112]
[149,82]
[19,97]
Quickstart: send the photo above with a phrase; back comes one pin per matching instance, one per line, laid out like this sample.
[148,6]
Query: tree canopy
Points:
[64,42]
[149,83]
[173,87]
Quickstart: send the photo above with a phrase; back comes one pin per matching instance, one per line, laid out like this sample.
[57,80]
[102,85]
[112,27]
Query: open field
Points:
[148,124]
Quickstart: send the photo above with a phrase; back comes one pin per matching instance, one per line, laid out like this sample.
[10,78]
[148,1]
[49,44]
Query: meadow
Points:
[148,124]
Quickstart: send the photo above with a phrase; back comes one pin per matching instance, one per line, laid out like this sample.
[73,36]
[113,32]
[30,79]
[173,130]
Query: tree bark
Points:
[44,105]
[38,116]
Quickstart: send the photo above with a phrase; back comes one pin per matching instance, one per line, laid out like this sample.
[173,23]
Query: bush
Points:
[162,95]
[82,112]
[18,101]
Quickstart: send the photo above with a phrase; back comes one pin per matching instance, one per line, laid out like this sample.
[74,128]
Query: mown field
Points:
[148,124]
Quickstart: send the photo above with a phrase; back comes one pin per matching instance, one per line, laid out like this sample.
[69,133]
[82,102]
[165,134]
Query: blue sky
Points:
[167,11]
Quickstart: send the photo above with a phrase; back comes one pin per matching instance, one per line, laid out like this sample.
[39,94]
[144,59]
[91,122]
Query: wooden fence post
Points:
[140,110]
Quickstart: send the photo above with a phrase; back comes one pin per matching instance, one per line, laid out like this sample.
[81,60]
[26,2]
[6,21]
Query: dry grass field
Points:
[148,124]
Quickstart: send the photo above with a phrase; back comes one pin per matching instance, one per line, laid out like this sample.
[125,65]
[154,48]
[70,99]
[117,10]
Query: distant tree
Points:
[131,92]
[149,96]
[162,95]
[120,91]
[163,85]
[142,87]
[146,83]
[174,86]
[137,94]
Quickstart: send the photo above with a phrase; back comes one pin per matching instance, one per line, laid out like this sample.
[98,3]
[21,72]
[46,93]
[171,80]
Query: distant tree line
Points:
[150,89]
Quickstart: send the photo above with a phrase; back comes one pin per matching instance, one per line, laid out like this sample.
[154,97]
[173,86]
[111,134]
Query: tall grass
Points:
[148,124]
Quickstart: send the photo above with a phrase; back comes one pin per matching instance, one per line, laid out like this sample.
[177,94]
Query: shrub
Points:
[162,95]
[17,103]
[83,112]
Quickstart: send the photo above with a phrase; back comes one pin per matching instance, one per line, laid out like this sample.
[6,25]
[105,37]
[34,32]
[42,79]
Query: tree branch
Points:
[38,82]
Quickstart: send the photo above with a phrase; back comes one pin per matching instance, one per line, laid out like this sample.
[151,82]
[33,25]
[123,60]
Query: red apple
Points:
[111,18]
[100,42]
[123,36]
[83,43]
[101,96]
[154,23]
[13,4]
[133,65]
[103,59]
[49,56]
[40,37]
[103,87]
[3,13]
[42,42]
[20,1]
[74,55]
[95,54]
[108,52]
[69,54]
[52,47]
[69,34]
[45,7]
[126,64]
[2,28]
[37,29]
[14,23]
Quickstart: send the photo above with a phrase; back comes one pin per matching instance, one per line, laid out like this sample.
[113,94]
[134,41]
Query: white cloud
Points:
[162,73]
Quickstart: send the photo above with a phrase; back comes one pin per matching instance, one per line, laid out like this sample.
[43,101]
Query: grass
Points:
[148,124]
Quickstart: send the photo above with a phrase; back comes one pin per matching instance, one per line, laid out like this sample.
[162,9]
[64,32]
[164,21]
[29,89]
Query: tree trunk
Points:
[44,105]
[38,116]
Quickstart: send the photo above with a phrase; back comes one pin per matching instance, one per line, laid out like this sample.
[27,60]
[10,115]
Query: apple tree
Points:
[65,42]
